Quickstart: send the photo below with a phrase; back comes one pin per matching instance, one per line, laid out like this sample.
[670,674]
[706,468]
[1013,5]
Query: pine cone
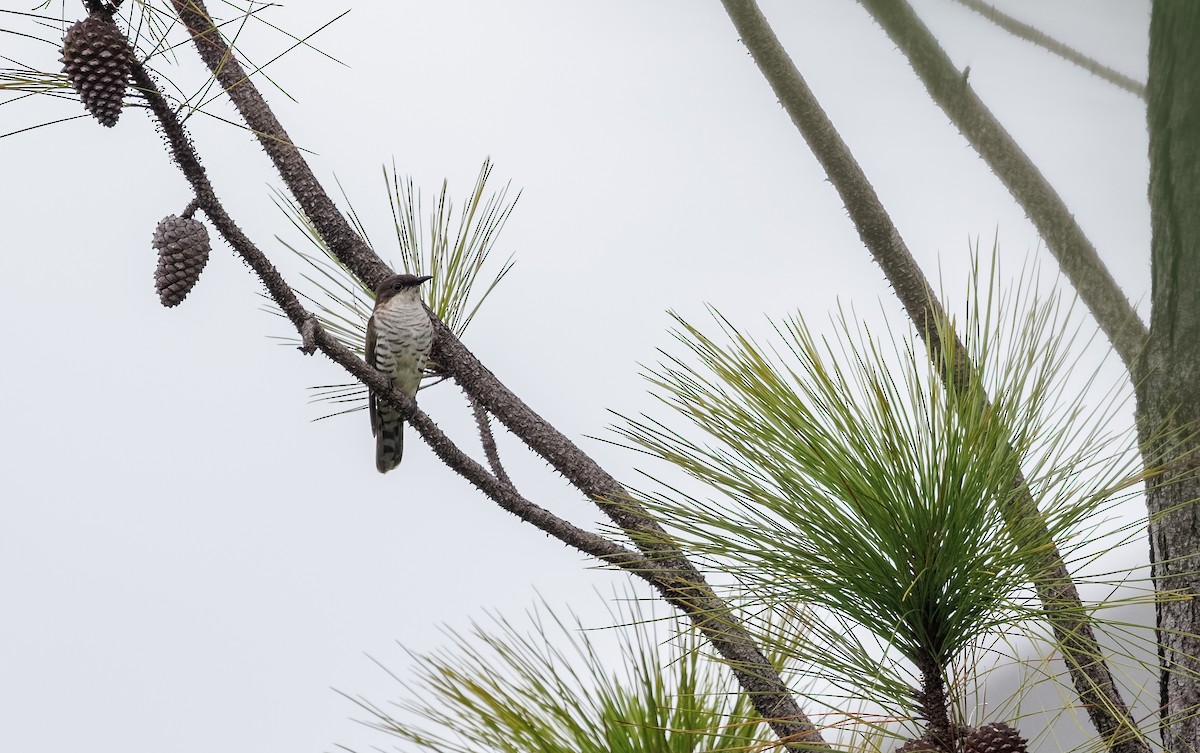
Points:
[996,737]
[96,58]
[182,245]
[920,745]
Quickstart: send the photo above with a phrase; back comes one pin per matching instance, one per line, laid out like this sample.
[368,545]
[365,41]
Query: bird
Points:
[399,338]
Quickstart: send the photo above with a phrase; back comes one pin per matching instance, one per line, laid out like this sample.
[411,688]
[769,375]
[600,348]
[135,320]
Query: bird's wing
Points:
[369,352]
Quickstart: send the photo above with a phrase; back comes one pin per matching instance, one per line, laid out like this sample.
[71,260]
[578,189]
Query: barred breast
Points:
[404,336]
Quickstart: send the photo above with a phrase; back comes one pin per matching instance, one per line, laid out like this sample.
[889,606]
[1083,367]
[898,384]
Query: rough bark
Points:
[1169,374]
[934,705]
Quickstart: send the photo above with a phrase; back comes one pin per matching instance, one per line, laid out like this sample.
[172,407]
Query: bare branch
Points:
[488,440]
[1076,255]
[1060,598]
[1046,42]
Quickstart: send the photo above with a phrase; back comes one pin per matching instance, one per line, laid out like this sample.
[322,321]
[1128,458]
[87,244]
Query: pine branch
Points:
[1060,598]
[1046,42]
[664,565]
[1076,255]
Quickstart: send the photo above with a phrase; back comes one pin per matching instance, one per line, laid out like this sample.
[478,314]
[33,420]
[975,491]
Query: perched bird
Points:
[399,336]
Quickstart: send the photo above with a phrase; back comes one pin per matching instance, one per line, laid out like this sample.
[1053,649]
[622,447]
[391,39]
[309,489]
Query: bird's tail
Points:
[389,439]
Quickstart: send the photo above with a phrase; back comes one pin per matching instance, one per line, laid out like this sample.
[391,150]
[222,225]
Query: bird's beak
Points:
[424,278]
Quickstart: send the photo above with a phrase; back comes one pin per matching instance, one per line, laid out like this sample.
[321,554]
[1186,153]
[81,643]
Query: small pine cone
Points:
[96,58]
[920,745]
[996,737]
[182,245]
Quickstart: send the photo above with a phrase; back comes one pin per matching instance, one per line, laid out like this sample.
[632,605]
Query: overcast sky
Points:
[189,563]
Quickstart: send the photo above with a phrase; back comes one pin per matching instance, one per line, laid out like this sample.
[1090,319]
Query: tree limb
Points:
[1050,44]
[1076,255]
[1060,598]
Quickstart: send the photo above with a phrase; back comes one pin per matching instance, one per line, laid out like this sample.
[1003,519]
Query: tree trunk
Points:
[1169,369]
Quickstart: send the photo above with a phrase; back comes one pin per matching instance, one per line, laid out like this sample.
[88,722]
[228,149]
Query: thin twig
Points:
[1060,598]
[488,440]
[1033,35]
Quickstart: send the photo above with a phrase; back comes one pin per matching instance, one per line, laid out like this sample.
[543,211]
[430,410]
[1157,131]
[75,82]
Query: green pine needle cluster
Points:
[850,478]
[454,252]
[642,687]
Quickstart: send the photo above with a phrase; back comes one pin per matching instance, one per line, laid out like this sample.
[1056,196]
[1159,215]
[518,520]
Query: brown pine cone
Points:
[996,737]
[96,58]
[182,245]
[920,745]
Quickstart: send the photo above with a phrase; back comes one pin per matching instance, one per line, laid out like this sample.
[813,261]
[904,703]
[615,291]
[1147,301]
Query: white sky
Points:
[189,563]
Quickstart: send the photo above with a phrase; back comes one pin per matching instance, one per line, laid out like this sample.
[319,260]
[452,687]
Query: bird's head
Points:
[398,285]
